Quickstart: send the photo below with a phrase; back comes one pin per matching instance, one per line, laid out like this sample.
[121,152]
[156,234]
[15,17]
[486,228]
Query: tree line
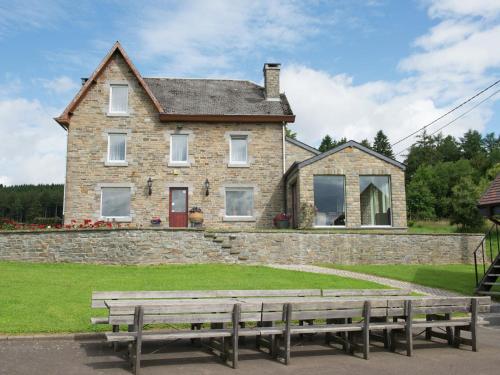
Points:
[41,204]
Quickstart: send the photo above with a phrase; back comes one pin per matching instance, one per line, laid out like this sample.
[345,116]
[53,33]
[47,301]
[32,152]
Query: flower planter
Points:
[196,217]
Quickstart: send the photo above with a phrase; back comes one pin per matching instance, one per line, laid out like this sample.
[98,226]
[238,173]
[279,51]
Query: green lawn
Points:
[455,277]
[432,227]
[56,297]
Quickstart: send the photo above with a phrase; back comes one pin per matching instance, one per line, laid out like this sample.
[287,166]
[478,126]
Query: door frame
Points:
[170,205]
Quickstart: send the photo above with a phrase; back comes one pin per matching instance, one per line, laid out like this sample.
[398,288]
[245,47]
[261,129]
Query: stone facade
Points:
[294,153]
[148,148]
[157,246]
[350,162]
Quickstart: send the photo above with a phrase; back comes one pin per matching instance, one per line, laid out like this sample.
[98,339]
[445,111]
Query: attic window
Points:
[118,99]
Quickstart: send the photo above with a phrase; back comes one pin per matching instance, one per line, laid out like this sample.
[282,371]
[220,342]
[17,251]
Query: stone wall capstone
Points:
[157,246]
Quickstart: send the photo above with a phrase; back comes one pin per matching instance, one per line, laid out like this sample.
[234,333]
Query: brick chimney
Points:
[272,81]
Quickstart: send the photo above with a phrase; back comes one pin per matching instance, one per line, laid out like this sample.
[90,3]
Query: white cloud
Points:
[60,85]
[33,146]
[206,35]
[450,8]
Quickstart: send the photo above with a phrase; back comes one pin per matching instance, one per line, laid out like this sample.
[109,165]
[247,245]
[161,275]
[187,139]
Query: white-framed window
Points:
[117,147]
[239,202]
[115,202]
[238,149]
[118,99]
[179,148]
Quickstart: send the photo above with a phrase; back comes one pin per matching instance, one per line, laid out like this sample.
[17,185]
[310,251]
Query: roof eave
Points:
[175,117]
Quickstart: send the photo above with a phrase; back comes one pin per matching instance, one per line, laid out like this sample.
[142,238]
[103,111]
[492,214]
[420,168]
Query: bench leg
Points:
[473,324]
[138,320]
[116,328]
[235,335]
[408,329]
[449,331]
[287,334]
[366,329]
[456,337]
[428,330]
[196,327]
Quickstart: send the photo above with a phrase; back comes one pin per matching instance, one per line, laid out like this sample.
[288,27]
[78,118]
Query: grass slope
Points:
[56,297]
[455,277]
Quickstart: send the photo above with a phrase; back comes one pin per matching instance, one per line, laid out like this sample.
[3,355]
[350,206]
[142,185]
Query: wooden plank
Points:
[473,324]
[365,292]
[366,329]
[287,332]
[408,328]
[186,308]
[139,324]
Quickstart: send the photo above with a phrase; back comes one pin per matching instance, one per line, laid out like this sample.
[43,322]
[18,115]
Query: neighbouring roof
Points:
[303,145]
[491,196]
[354,144]
[215,97]
[204,100]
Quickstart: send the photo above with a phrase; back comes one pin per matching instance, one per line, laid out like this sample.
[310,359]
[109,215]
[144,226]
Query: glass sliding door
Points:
[329,201]
[375,199]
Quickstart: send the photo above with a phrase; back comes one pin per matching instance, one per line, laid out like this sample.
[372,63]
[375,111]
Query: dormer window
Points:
[118,99]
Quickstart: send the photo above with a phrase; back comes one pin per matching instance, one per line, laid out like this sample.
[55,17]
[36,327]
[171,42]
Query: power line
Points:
[446,114]
[455,119]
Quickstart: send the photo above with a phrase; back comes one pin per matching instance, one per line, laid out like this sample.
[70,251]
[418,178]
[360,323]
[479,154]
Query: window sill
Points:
[118,114]
[236,165]
[116,163]
[238,218]
[177,164]
[120,219]
[375,226]
[330,226]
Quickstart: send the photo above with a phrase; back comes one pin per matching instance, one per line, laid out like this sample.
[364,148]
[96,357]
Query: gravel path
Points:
[362,276]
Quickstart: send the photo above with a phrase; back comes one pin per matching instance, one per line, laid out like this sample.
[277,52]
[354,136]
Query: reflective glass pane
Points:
[115,202]
[239,202]
[375,199]
[238,149]
[179,201]
[179,148]
[117,147]
[329,200]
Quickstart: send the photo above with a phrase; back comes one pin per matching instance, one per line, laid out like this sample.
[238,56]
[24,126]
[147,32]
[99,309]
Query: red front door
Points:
[178,208]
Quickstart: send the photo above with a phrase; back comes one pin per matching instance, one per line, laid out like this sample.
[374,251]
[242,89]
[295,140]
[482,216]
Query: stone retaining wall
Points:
[153,246]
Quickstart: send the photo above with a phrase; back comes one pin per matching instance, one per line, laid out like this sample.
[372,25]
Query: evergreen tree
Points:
[471,144]
[365,142]
[341,141]
[326,144]
[381,144]
[421,201]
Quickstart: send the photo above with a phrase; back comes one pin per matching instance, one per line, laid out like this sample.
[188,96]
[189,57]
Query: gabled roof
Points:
[340,148]
[203,100]
[64,118]
[215,97]
[303,145]
[491,196]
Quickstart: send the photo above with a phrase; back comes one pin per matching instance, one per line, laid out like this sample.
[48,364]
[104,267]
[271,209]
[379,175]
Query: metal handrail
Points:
[484,256]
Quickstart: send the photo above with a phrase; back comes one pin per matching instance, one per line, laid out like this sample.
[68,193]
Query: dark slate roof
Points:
[491,196]
[303,145]
[215,97]
[340,148]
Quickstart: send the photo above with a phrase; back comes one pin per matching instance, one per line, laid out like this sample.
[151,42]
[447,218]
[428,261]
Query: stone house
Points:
[139,148]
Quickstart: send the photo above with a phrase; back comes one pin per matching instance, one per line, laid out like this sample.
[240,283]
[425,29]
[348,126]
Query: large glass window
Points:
[239,202]
[179,148]
[329,200]
[117,147]
[115,202]
[239,149]
[375,197]
[118,101]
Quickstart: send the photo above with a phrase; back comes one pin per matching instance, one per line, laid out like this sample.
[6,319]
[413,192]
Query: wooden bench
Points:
[219,314]
[438,312]
[98,298]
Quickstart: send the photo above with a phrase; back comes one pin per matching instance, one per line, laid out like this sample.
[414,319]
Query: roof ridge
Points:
[206,79]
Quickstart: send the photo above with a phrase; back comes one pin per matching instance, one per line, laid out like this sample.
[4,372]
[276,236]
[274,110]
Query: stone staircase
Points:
[228,243]
[492,319]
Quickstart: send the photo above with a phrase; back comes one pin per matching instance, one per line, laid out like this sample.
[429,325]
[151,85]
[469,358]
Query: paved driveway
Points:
[93,357]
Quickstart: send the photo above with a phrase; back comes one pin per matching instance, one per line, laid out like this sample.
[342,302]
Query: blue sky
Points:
[349,68]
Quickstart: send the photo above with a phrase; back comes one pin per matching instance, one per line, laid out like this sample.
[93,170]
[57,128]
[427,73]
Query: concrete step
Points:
[495,308]
[209,235]
[218,240]
[226,245]
[234,251]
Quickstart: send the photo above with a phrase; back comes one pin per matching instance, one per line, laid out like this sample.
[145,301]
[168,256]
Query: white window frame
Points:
[110,111]
[345,202]
[116,218]
[116,162]
[231,161]
[390,200]
[177,163]
[239,218]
